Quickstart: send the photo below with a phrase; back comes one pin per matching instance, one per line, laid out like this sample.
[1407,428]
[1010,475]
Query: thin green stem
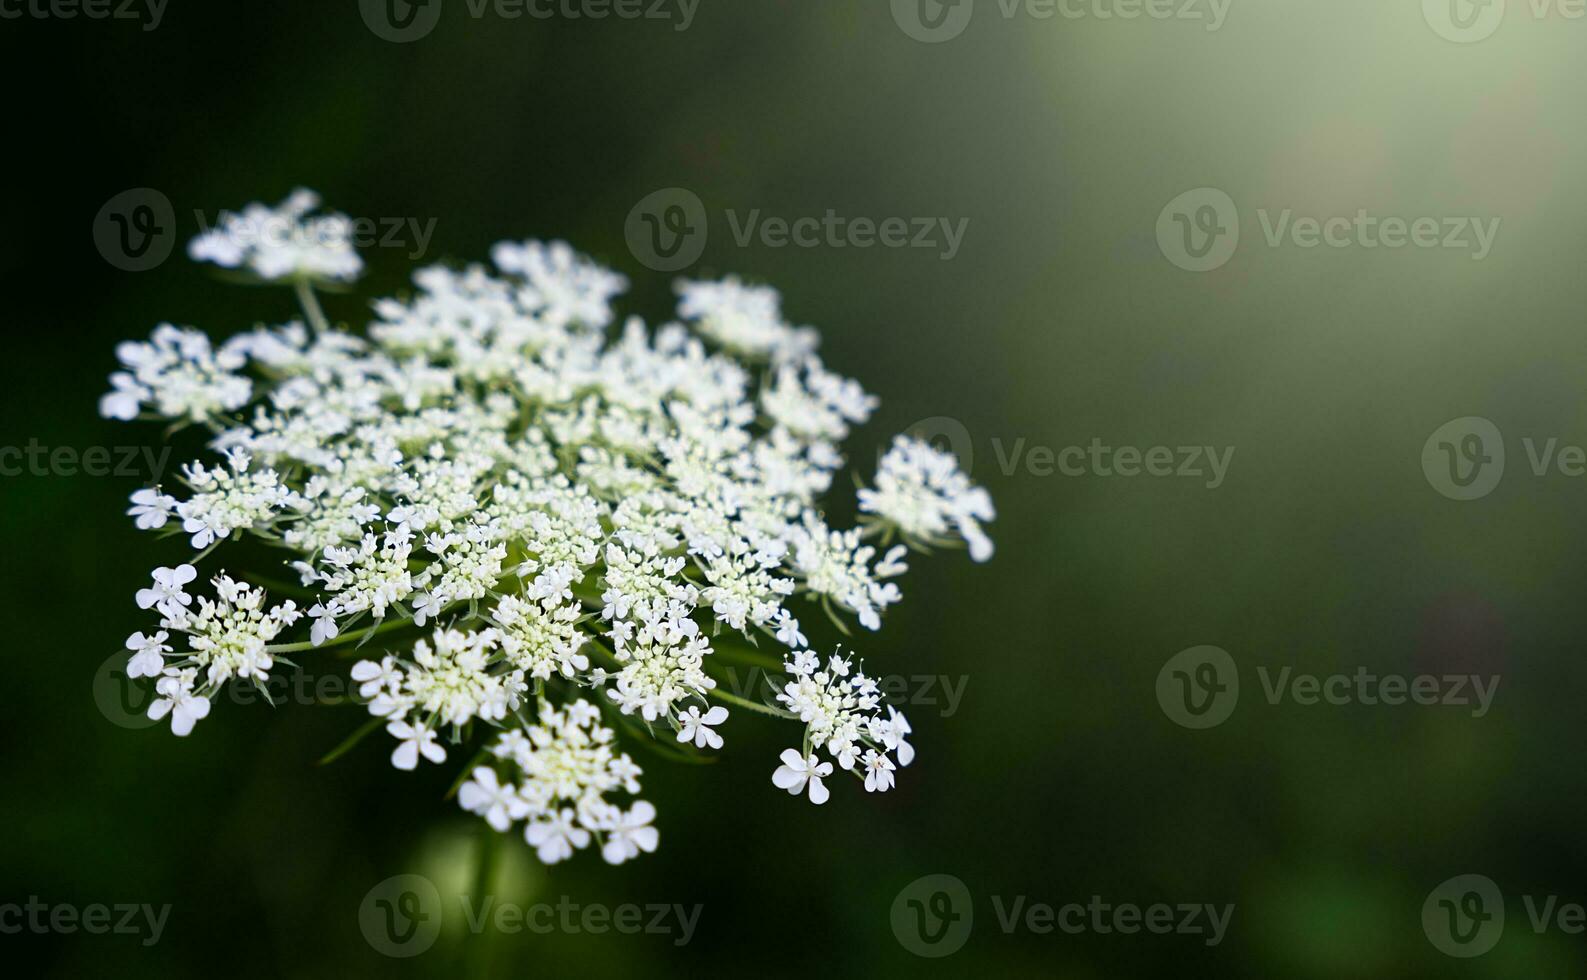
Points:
[311,305]
[349,636]
[764,709]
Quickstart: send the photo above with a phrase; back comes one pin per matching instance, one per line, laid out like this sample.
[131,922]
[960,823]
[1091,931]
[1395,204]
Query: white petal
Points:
[818,791]
[406,756]
[646,838]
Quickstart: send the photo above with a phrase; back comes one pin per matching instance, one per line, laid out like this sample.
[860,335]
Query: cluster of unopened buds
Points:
[542,531]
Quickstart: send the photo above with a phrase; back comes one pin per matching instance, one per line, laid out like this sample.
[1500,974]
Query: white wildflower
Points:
[538,518]
[281,242]
[695,727]
[800,771]
[922,492]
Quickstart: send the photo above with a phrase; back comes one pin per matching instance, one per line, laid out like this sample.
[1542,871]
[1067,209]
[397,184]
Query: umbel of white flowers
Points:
[542,527]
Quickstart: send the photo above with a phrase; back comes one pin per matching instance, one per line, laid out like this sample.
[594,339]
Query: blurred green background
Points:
[1059,320]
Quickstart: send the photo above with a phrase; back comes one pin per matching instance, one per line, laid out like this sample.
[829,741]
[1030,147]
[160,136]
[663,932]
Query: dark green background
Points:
[1059,321]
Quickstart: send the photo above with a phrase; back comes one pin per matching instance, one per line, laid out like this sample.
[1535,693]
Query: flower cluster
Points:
[840,708]
[922,492]
[564,765]
[229,635]
[539,522]
[282,242]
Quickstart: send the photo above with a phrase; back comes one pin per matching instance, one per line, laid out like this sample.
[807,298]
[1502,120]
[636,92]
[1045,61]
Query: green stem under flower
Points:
[347,636]
[311,305]
[764,709]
